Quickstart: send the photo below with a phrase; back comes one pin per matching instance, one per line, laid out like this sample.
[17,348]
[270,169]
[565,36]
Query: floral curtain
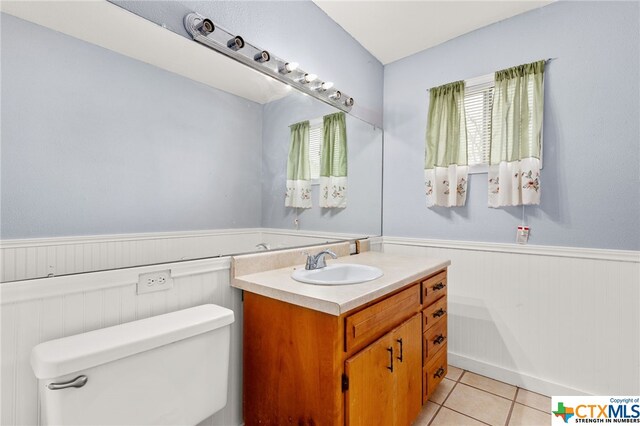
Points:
[298,176]
[333,162]
[516,136]
[446,171]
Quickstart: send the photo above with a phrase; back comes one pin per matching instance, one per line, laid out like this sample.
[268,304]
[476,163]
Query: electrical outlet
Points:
[154,281]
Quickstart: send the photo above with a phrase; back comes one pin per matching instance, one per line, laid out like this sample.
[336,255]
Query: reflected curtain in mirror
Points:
[516,136]
[333,162]
[298,175]
[446,170]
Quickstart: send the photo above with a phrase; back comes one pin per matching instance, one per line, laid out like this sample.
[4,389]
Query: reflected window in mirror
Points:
[316,136]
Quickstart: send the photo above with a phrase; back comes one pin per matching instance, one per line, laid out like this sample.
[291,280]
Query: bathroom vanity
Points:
[359,354]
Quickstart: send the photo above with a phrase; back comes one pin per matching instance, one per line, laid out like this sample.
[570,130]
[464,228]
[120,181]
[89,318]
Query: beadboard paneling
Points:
[559,324]
[33,258]
[73,304]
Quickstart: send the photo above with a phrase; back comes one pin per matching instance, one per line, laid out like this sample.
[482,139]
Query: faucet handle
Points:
[310,261]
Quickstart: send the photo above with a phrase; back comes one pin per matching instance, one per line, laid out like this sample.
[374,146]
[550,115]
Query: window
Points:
[315,146]
[478,99]
[316,138]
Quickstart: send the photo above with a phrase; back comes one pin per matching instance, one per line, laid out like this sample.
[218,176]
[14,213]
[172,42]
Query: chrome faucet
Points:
[317,261]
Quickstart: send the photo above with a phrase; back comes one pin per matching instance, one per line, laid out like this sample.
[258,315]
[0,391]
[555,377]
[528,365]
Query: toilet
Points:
[170,369]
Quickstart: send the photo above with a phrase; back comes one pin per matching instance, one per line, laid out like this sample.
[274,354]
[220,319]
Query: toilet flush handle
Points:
[78,382]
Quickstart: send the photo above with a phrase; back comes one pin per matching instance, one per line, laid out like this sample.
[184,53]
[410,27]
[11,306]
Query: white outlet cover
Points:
[154,281]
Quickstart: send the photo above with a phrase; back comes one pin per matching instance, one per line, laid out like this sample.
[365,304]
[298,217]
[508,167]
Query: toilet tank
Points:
[170,369]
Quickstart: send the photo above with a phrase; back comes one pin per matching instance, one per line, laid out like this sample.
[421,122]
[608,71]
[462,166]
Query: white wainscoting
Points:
[35,311]
[31,258]
[559,321]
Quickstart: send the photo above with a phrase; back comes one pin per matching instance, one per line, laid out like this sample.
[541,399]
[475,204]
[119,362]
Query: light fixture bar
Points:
[204,31]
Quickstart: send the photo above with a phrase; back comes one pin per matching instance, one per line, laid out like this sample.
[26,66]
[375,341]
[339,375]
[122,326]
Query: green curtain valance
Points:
[446,139]
[334,145]
[298,167]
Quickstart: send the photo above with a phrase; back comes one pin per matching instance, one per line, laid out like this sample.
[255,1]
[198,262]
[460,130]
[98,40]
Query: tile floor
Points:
[465,398]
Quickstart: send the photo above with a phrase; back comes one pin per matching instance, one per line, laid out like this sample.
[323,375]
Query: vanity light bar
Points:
[204,31]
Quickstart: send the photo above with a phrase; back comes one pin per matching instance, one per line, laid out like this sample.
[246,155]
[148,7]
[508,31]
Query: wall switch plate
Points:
[522,235]
[154,281]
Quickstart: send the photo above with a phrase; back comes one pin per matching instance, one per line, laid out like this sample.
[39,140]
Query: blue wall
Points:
[590,180]
[296,30]
[95,143]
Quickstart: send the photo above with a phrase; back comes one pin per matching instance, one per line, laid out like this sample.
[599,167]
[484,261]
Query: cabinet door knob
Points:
[400,341]
[390,366]
[439,373]
[440,312]
[438,340]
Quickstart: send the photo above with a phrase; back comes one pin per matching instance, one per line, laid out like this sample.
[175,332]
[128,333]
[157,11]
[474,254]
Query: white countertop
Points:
[337,299]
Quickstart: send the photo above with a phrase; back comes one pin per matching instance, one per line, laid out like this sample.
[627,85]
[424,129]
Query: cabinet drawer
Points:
[435,339]
[434,288]
[372,322]
[433,313]
[433,373]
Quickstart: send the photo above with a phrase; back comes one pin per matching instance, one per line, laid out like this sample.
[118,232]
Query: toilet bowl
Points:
[170,369]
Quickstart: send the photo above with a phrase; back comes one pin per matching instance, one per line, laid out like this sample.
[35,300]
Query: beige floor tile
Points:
[526,416]
[427,413]
[535,400]
[448,417]
[489,385]
[442,391]
[453,373]
[479,404]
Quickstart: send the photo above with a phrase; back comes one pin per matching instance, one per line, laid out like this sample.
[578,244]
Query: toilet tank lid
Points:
[71,354]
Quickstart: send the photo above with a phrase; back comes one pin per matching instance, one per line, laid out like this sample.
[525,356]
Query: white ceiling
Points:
[392,30]
[93,21]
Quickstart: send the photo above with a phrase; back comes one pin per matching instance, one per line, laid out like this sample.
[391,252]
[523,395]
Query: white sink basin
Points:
[338,274]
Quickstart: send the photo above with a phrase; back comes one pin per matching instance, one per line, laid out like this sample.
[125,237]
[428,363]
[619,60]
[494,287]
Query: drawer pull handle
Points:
[438,339]
[440,312]
[438,286]
[390,366]
[400,357]
[439,373]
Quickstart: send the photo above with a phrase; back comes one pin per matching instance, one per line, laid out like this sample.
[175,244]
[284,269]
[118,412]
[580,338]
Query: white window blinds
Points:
[478,100]
[315,146]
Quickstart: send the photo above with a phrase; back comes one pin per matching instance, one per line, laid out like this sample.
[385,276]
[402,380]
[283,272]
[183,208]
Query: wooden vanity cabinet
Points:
[367,366]
[383,385]
[434,326]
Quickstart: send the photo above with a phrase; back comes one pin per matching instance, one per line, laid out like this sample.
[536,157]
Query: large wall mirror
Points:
[117,153]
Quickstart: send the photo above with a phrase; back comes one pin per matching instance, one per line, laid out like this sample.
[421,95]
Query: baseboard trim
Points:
[572,252]
[534,384]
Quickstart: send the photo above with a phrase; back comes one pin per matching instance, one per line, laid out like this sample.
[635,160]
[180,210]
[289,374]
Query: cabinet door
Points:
[370,397]
[408,370]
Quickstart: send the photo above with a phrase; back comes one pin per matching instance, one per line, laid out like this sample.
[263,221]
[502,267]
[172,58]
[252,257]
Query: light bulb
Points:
[288,67]
[323,86]
[235,43]
[263,56]
[308,78]
[206,27]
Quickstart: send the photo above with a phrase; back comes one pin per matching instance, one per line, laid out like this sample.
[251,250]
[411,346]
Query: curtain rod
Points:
[546,60]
